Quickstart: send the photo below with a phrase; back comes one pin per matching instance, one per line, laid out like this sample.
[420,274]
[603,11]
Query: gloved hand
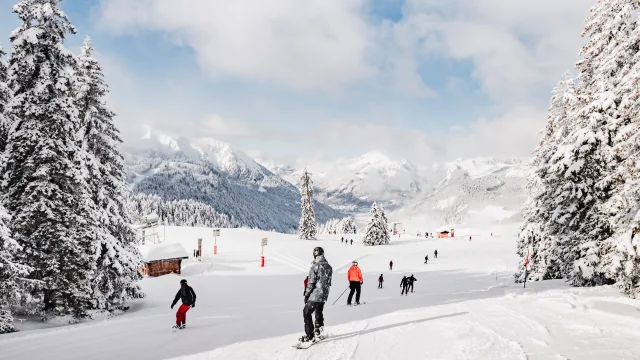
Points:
[172,306]
[361,282]
[194,305]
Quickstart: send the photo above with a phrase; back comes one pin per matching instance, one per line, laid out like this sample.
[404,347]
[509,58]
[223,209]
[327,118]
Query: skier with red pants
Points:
[188,297]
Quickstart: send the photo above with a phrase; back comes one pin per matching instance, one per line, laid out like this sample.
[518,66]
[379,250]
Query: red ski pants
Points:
[181,315]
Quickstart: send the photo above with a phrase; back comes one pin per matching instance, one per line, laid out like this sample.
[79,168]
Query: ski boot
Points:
[305,340]
[319,333]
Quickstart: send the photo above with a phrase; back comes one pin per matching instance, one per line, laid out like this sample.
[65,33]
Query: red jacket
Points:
[306,282]
[354,274]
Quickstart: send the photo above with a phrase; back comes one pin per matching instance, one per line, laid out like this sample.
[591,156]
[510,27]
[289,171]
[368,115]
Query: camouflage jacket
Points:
[319,280]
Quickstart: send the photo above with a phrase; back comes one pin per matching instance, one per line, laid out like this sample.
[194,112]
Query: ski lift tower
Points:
[149,227]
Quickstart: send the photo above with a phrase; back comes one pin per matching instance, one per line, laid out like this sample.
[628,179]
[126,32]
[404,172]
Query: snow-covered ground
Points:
[465,306]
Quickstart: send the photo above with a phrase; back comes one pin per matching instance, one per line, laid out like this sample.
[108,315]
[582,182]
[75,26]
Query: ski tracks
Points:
[290,260]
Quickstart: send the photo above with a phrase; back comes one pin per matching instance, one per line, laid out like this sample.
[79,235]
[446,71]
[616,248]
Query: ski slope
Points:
[465,306]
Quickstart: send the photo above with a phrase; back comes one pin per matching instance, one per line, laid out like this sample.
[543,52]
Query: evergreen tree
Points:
[52,211]
[118,259]
[5,95]
[592,207]
[618,81]
[538,235]
[376,232]
[348,225]
[307,225]
[12,275]
[385,226]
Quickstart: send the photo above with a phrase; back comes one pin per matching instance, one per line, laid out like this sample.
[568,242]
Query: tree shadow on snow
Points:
[391,326]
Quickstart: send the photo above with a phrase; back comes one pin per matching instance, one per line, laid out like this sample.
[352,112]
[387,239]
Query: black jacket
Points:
[411,279]
[187,295]
[404,281]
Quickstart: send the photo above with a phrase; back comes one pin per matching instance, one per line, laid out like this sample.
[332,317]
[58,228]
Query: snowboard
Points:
[309,344]
[176,329]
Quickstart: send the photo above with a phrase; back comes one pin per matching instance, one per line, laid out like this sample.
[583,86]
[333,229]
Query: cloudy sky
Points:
[309,80]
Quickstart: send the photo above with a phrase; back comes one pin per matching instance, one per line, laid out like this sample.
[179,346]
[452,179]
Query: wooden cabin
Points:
[443,234]
[162,259]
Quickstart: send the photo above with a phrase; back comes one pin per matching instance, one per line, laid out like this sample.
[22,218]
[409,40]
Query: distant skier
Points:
[404,284]
[435,253]
[188,297]
[380,281]
[316,295]
[342,239]
[351,241]
[355,282]
[306,283]
[426,259]
[470,238]
[390,265]
[410,281]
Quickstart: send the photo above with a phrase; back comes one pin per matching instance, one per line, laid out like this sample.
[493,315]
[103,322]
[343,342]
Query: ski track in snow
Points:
[460,310]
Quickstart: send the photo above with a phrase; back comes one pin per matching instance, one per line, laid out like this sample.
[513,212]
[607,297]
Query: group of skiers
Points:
[316,293]
[346,241]
[407,283]
[435,254]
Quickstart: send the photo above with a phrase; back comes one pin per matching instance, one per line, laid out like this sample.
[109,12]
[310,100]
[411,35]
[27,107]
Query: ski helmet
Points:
[183,281]
[318,251]
[354,263]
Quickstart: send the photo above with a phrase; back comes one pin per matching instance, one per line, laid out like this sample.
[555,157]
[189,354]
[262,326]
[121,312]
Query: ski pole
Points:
[345,290]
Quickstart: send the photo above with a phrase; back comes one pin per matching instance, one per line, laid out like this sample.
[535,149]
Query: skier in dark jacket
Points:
[404,284]
[410,281]
[188,297]
[435,253]
[351,241]
[380,281]
[390,265]
[316,295]
[426,259]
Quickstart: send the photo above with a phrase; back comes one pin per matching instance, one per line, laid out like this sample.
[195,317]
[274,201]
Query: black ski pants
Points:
[405,289]
[309,308]
[410,287]
[355,287]
[379,284]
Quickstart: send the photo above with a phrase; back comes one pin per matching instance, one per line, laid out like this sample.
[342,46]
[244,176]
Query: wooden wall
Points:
[164,267]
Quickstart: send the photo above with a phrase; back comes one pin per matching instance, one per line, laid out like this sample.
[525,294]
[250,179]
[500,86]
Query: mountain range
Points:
[244,192]
[213,173]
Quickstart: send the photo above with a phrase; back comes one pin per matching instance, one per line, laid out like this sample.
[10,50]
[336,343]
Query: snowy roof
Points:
[164,251]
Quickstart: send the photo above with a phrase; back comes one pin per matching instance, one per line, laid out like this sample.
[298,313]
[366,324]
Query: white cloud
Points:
[304,45]
[516,52]
[517,48]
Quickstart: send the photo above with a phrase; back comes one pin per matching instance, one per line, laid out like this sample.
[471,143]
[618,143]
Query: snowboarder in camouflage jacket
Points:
[316,295]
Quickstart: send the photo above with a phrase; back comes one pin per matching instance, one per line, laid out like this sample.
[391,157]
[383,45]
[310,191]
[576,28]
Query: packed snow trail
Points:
[524,324]
[465,305]
[229,309]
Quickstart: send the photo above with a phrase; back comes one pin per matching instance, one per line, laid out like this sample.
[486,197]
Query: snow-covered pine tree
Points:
[348,225]
[118,258]
[5,95]
[609,58]
[586,166]
[385,225]
[538,235]
[52,213]
[376,232]
[12,275]
[619,79]
[307,226]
